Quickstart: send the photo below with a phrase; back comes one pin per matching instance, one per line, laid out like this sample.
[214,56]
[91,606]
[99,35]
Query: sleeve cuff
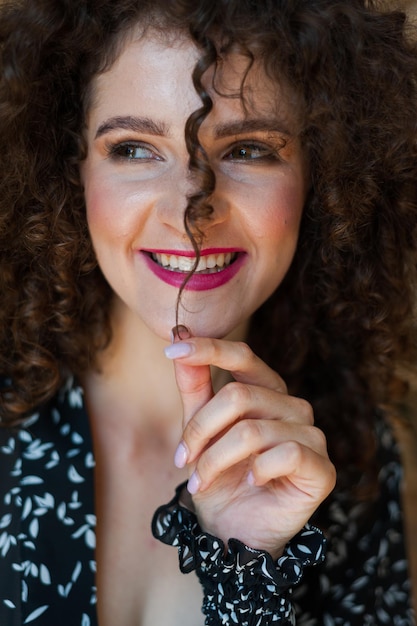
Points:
[242,585]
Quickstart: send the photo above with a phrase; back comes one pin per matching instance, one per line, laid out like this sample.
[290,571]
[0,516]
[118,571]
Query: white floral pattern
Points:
[47,521]
[365,579]
[241,585]
[47,534]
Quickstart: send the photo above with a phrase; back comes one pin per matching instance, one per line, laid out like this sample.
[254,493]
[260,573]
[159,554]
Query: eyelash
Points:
[265,152]
[123,151]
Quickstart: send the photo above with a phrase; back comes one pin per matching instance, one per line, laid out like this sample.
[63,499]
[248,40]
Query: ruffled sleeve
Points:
[241,585]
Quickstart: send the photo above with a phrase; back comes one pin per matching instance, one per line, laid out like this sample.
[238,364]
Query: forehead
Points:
[155,72]
[140,66]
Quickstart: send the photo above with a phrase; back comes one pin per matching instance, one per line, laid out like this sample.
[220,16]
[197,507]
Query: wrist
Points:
[241,584]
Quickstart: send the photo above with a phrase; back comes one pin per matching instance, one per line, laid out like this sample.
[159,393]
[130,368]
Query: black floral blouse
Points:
[47,534]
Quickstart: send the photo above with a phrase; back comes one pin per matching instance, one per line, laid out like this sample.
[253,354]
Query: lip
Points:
[198,282]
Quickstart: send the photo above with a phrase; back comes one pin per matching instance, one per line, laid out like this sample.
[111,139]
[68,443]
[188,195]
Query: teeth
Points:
[182,262]
[210,262]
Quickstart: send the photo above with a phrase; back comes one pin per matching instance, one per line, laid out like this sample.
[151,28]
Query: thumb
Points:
[194,381]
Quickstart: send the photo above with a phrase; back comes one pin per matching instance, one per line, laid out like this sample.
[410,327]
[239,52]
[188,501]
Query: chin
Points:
[204,322]
[216,329]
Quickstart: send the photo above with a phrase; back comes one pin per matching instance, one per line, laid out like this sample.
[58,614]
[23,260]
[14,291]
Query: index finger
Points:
[235,357]
[193,381]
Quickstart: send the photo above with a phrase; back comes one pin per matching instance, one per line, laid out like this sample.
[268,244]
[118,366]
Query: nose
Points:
[181,185]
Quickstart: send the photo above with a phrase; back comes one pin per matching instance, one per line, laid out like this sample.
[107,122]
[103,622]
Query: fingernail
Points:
[177,350]
[250,478]
[194,483]
[181,455]
[180,332]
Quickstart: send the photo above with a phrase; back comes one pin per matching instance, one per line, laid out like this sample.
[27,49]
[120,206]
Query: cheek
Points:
[96,199]
[104,217]
[277,213]
[96,207]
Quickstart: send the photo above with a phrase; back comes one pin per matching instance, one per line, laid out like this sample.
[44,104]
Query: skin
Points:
[258,467]
[138,204]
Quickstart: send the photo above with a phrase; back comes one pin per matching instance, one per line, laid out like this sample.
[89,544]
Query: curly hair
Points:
[342,318]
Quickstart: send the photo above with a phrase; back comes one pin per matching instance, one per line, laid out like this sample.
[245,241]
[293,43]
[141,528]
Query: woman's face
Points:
[137,178]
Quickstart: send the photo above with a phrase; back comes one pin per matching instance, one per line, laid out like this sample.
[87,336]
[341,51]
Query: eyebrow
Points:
[135,124]
[227,129]
[250,125]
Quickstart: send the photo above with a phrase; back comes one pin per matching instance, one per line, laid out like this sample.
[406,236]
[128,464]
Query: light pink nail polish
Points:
[181,455]
[194,483]
[250,478]
[178,350]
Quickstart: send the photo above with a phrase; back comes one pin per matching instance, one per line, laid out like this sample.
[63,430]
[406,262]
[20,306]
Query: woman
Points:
[186,180]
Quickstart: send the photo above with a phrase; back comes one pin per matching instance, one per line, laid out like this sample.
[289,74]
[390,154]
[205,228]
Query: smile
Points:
[207,264]
[216,267]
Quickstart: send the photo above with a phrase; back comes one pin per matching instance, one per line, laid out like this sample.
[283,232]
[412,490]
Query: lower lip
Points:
[197,282]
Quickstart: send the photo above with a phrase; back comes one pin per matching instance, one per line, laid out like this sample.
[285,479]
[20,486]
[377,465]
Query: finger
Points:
[236,402]
[250,438]
[233,356]
[193,381]
[309,471]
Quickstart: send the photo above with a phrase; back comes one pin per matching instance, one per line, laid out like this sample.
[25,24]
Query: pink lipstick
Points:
[216,267]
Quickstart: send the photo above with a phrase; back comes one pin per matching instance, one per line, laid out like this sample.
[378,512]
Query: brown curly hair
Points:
[342,318]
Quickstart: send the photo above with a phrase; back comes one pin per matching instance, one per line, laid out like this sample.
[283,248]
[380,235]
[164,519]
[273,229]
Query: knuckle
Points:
[294,452]
[281,385]
[305,410]
[329,480]
[215,348]
[248,431]
[193,431]
[238,394]
[318,438]
[245,352]
[332,476]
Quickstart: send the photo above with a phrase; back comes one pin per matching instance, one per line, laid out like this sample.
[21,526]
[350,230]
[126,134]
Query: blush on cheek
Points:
[291,202]
[100,208]
[282,215]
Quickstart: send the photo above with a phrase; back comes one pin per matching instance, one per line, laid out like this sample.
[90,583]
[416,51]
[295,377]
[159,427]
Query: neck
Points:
[131,372]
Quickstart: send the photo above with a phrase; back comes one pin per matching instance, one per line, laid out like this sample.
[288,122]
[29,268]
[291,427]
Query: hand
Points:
[258,466]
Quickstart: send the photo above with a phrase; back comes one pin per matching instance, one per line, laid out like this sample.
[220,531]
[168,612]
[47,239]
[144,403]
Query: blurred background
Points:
[407,5]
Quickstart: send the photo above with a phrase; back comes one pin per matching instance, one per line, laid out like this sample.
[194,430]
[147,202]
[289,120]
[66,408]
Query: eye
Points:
[133,151]
[251,152]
